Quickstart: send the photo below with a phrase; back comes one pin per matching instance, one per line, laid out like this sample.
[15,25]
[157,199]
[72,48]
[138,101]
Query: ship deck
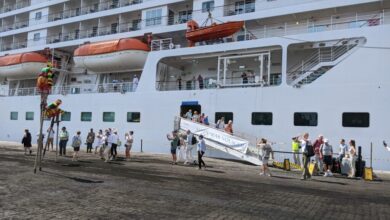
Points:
[148,187]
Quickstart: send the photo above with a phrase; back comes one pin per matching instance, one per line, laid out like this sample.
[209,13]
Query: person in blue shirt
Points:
[201,150]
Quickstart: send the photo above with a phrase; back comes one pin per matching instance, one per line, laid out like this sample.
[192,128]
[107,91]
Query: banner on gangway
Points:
[215,135]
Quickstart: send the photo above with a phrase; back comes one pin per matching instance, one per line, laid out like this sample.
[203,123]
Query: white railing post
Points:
[285,28]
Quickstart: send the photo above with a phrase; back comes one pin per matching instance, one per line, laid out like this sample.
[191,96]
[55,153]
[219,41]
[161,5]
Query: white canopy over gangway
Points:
[219,140]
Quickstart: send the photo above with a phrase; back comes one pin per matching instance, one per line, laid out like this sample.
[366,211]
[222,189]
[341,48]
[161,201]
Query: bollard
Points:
[286,165]
[142,146]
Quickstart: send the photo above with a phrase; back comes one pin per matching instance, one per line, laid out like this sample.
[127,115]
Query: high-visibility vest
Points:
[295,146]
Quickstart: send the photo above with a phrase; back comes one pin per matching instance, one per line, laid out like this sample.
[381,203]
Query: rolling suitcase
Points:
[345,166]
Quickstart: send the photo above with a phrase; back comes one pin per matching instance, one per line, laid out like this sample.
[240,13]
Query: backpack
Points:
[193,140]
[309,150]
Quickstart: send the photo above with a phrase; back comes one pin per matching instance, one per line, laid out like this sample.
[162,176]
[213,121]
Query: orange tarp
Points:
[110,46]
[22,58]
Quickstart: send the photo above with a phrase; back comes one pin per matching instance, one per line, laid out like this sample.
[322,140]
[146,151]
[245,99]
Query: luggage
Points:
[345,166]
[335,165]
[360,165]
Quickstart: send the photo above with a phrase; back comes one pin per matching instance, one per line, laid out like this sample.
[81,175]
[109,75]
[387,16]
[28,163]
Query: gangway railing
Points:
[220,140]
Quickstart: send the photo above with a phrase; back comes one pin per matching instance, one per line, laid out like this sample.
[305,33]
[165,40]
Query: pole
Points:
[40,139]
[142,146]
[58,125]
[371,155]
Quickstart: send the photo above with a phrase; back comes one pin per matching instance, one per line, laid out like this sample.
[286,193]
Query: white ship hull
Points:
[360,83]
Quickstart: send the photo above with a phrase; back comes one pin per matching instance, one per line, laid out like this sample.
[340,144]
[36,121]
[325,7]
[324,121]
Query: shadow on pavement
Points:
[77,179]
[330,182]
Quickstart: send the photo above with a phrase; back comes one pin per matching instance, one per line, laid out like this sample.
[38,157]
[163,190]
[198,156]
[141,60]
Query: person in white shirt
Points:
[129,143]
[201,148]
[107,150]
[190,142]
[114,144]
[135,82]
[181,151]
[99,141]
[343,150]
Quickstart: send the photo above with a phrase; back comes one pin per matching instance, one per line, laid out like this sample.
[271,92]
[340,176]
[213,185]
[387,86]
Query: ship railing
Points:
[162,44]
[18,5]
[179,19]
[327,54]
[120,87]
[212,83]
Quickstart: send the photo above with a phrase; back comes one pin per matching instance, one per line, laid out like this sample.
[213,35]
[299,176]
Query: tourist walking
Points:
[343,150]
[129,137]
[195,117]
[76,143]
[50,138]
[114,144]
[26,141]
[181,149]
[308,152]
[90,140]
[326,152]
[99,141]
[191,142]
[201,150]
[220,123]
[352,158]
[318,159]
[64,137]
[229,127]
[295,150]
[188,115]
[107,145]
[174,144]
[265,152]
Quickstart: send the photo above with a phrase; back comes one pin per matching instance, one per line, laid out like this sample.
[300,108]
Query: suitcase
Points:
[335,165]
[360,165]
[345,166]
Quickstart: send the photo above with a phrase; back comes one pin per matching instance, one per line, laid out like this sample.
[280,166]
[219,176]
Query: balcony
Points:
[239,7]
[12,7]
[120,87]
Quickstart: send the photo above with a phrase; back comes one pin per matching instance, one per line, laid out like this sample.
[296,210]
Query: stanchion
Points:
[142,146]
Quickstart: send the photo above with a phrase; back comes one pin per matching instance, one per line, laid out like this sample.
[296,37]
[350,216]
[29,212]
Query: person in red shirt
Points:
[317,157]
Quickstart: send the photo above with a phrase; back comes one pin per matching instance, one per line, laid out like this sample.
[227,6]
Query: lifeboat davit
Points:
[214,31]
[112,56]
[22,65]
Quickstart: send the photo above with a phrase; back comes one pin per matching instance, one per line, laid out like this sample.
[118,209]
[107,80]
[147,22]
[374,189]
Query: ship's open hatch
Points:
[193,105]
[249,68]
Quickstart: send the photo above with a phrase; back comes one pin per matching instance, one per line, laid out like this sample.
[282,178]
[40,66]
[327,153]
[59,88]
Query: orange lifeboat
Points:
[22,65]
[112,56]
[214,31]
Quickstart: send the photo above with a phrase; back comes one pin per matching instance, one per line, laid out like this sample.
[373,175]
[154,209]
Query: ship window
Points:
[356,119]
[86,116]
[261,118]
[207,6]
[153,17]
[37,36]
[14,116]
[65,116]
[38,16]
[305,119]
[227,115]
[134,117]
[29,116]
[108,116]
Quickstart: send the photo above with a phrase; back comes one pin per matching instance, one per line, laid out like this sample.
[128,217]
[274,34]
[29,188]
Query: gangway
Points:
[219,140]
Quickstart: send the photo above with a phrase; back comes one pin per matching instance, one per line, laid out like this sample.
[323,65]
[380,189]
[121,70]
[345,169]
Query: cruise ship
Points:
[292,66]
